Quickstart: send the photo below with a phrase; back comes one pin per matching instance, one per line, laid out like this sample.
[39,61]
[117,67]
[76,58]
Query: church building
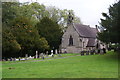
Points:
[78,37]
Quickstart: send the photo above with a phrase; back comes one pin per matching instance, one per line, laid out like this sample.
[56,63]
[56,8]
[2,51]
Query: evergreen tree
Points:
[51,31]
[111,25]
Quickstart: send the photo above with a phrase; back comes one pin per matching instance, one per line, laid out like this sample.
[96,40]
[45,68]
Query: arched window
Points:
[70,41]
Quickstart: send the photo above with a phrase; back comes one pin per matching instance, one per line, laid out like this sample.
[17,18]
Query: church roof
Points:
[91,42]
[86,31]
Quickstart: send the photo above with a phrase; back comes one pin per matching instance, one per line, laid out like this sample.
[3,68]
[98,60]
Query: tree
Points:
[9,11]
[9,44]
[28,37]
[60,16]
[51,31]
[111,25]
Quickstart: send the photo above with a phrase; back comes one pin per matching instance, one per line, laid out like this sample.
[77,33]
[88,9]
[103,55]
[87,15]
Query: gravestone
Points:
[46,53]
[36,54]
[92,52]
[82,53]
[11,59]
[56,52]
[65,51]
[19,58]
[87,52]
[42,55]
[52,53]
[26,56]
[14,59]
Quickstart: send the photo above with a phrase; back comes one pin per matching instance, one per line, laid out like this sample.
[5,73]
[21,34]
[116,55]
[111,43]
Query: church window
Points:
[80,40]
[83,44]
[70,41]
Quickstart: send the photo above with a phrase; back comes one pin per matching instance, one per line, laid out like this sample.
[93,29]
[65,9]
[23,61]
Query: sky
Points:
[89,11]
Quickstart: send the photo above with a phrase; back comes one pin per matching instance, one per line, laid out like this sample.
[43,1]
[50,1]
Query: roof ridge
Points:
[85,30]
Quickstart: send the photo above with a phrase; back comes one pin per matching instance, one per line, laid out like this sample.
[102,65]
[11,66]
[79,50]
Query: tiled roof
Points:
[91,42]
[85,31]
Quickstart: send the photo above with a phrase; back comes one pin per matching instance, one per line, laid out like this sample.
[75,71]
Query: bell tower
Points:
[70,19]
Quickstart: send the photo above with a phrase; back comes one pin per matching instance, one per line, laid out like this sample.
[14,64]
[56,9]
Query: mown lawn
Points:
[90,66]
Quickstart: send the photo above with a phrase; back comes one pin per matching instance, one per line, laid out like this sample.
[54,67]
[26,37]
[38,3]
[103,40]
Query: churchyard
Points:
[64,66]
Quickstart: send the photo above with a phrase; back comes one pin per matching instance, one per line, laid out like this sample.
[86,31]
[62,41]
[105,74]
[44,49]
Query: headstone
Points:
[65,51]
[26,56]
[92,52]
[101,51]
[11,59]
[52,53]
[43,57]
[19,58]
[96,51]
[8,59]
[46,53]
[36,56]
[56,52]
[87,52]
[14,59]
[82,53]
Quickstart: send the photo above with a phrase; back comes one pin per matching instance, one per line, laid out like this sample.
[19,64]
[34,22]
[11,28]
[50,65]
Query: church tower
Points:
[70,19]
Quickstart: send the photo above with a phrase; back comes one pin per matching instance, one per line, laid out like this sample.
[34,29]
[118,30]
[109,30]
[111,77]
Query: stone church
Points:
[78,37]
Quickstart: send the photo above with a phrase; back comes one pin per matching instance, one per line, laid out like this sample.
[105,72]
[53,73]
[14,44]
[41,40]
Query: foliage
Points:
[9,12]
[20,20]
[111,25]
[9,44]
[51,31]
[27,36]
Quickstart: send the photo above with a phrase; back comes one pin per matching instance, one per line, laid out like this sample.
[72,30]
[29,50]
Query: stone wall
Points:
[77,41]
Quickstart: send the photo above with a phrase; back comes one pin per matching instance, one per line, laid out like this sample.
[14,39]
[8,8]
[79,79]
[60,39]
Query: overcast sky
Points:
[89,11]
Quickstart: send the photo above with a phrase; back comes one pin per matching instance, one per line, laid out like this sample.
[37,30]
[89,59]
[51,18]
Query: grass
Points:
[55,56]
[90,66]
